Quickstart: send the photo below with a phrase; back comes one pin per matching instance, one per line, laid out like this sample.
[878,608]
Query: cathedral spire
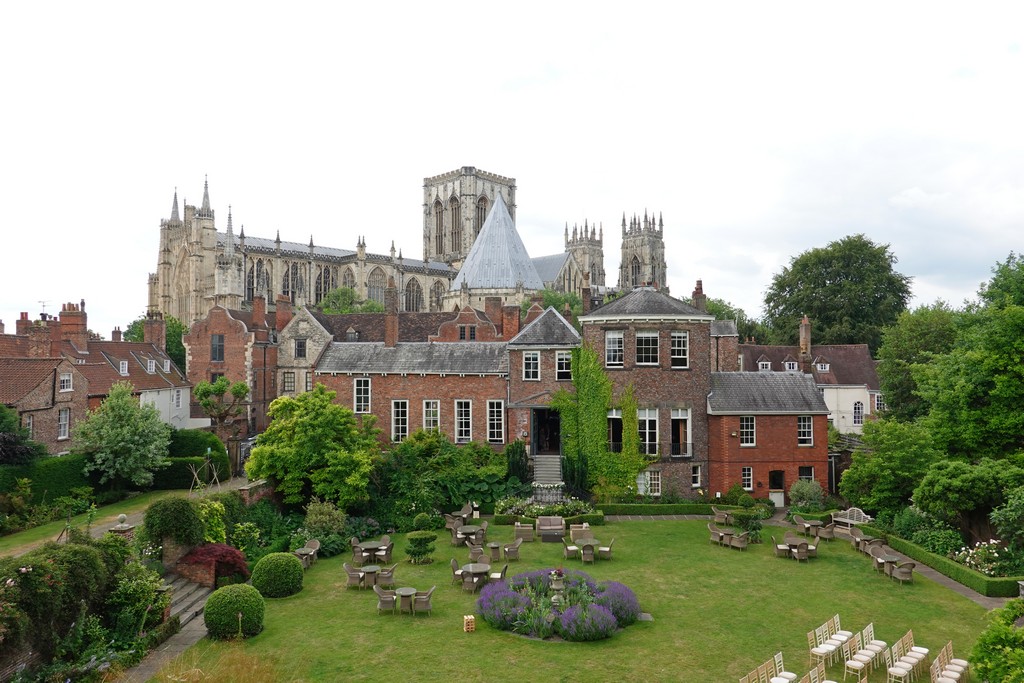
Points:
[205,211]
[229,249]
[174,207]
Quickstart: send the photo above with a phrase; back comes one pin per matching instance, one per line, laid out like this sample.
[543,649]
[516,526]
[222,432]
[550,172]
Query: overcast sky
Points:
[757,130]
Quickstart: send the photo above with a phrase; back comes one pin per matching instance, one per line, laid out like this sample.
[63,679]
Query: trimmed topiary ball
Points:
[225,604]
[278,575]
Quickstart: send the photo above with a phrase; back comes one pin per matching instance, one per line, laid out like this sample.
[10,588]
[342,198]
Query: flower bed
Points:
[582,610]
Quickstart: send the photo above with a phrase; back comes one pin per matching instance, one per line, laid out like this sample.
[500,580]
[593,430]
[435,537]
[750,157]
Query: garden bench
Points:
[851,517]
[550,529]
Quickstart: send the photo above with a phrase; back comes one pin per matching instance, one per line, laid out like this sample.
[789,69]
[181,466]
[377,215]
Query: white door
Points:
[777,497]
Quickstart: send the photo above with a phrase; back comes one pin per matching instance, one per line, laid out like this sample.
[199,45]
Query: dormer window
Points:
[124,368]
[822,367]
[151,366]
[167,365]
[790,366]
[764,366]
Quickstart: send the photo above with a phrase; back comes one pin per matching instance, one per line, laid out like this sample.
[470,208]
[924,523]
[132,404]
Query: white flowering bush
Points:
[983,557]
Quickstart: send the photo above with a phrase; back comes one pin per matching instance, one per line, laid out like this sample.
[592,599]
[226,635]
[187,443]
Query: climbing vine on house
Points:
[615,473]
[584,412]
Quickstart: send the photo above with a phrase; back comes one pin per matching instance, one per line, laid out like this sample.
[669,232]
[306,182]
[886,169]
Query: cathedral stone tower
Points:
[643,254]
[455,207]
[587,246]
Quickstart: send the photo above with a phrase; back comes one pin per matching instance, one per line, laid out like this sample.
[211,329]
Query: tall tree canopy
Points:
[916,339]
[172,338]
[123,440]
[314,446]
[345,300]
[849,289]
[964,495]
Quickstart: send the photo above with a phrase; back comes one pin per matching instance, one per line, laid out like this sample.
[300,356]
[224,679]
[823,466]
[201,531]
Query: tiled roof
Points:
[111,353]
[22,375]
[451,358]
[849,364]
[13,346]
[263,245]
[498,258]
[412,327]
[764,392]
[646,302]
[548,329]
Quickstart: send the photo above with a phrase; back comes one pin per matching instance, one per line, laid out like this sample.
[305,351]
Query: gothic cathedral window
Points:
[456,216]
[438,228]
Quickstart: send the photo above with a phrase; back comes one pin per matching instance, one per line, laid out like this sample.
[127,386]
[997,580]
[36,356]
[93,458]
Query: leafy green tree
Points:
[135,332]
[1006,288]
[976,391]
[583,412]
[849,289]
[964,495]
[224,402]
[315,447]
[915,339]
[1009,519]
[122,440]
[345,300]
[892,461]
[558,300]
[15,446]
[748,328]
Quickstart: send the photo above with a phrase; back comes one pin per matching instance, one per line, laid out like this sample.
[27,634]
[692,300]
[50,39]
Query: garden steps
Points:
[187,597]
[547,469]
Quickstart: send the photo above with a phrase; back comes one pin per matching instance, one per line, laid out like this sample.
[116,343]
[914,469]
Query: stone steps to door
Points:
[187,598]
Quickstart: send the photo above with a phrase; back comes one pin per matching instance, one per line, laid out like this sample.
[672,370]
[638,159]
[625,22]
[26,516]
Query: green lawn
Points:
[106,517]
[718,613]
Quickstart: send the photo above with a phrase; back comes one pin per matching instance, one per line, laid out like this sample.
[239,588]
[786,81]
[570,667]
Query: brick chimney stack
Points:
[391,314]
[115,334]
[805,344]
[1,327]
[510,316]
[40,340]
[154,330]
[259,311]
[700,302]
[586,293]
[22,324]
[283,312]
[73,327]
[492,307]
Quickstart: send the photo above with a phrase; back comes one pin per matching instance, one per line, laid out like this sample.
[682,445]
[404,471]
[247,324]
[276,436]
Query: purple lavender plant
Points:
[587,622]
[502,607]
[620,600]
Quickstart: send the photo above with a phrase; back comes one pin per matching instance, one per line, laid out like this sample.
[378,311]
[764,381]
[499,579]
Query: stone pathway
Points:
[780,521]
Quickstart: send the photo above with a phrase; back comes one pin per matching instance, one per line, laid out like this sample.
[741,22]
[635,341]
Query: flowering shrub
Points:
[522,507]
[983,557]
[585,610]
[620,601]
[587,622]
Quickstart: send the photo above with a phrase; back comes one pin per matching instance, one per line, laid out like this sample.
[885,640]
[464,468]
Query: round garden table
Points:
[406,594]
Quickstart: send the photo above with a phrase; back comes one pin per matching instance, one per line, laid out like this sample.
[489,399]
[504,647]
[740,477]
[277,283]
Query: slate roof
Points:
[724,328]
[549,329]
[498,258]
[22,375]
[450,358]
[412,327]
[849,364]
[646,302]
[548,267]
[764,392]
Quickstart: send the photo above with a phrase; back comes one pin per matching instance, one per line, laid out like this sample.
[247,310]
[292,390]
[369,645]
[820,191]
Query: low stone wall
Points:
[204,575]
[256,491]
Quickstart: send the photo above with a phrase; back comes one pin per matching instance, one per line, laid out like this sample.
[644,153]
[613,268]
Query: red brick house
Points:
[241,346]
[50,396]
[766,431]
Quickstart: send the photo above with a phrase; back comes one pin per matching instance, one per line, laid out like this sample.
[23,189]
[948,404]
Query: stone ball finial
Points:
[122,518]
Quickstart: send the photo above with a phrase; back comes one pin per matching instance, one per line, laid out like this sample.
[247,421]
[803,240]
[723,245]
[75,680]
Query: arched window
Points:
[250,283]
[326,280]
[256,281]
[438,228]
[858,413]
[413,296]
[291,283]
[481,215]
[437,291]
[634,272]
[456,216]
[376,284]
[348,279]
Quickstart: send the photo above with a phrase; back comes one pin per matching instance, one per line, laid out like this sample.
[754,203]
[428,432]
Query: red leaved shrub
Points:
[227,561]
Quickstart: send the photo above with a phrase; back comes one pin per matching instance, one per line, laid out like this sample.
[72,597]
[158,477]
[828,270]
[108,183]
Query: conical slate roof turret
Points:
[498,259]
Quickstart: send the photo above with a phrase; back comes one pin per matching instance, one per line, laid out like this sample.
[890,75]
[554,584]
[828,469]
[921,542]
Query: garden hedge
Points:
[225,604]
[661,509]
[990,586]
[278,575]
[51,477]
[177,475]
[593,519]
[193,443]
